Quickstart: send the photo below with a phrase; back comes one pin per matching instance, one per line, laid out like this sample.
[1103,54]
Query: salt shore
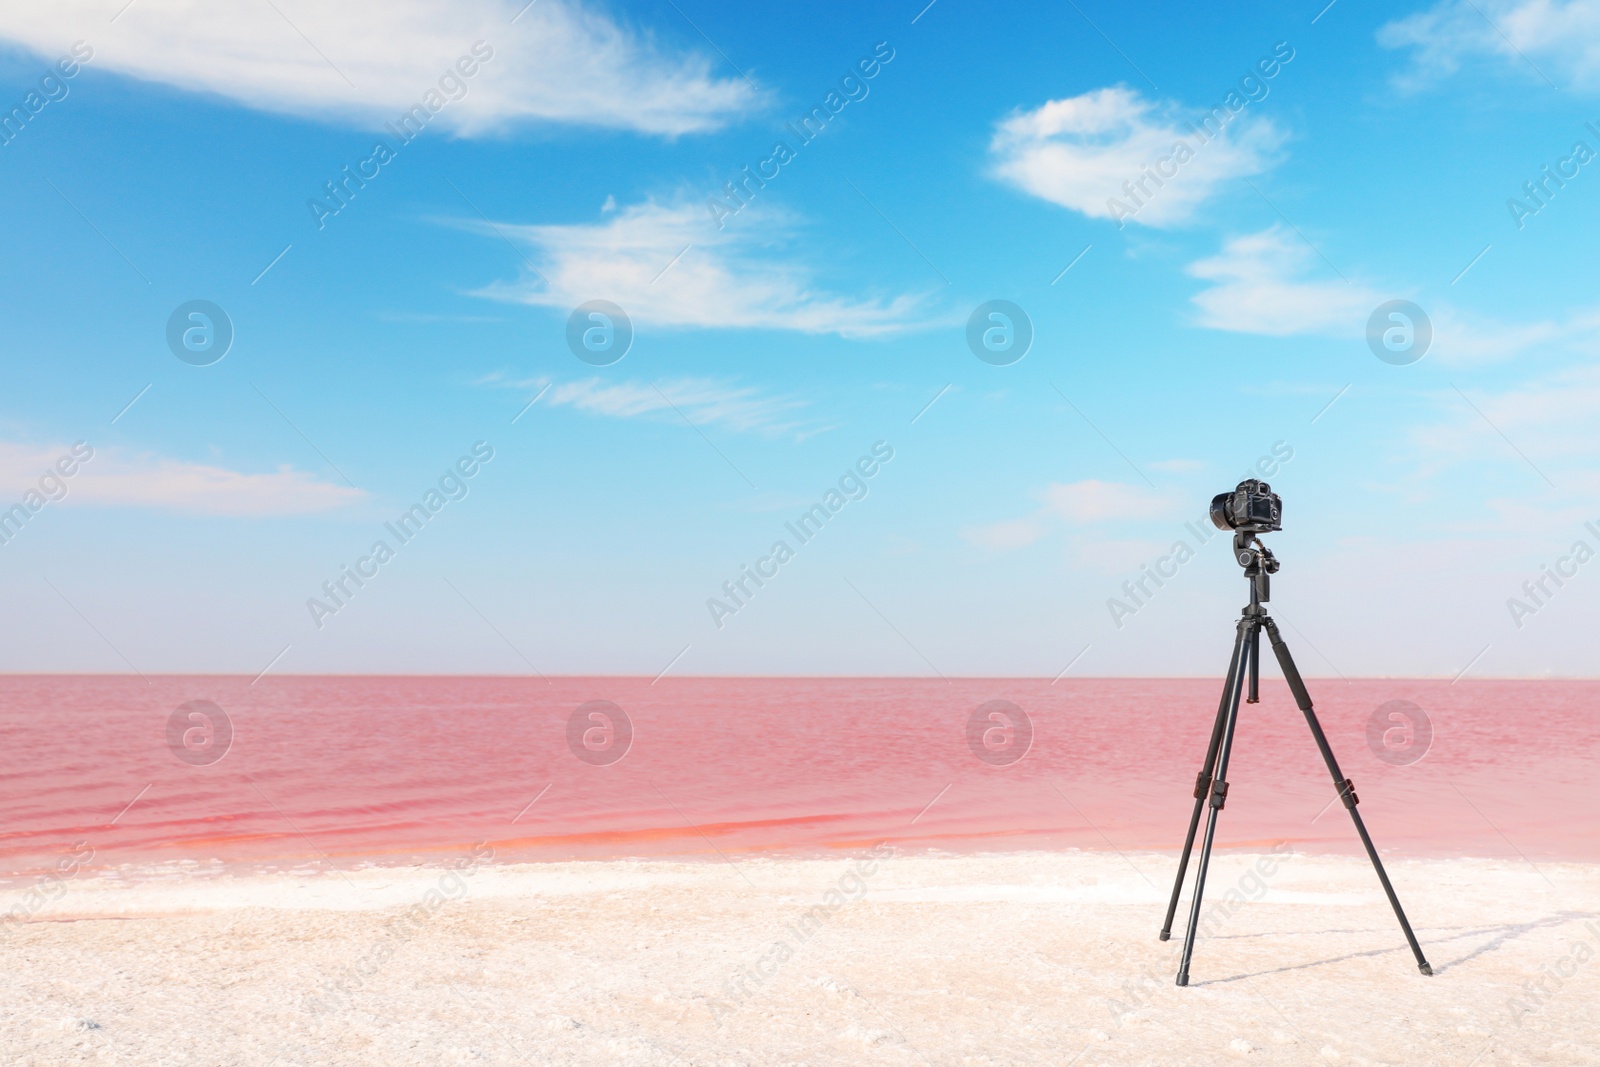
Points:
[898,958]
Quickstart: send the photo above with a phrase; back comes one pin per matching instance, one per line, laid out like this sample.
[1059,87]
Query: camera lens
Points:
[1221,512]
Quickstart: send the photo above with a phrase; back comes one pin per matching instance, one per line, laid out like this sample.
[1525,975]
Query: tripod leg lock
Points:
[1202,785]
[1219,794]
[1347,793]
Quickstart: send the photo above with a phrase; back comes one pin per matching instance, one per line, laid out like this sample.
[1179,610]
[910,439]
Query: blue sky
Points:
[1369,155]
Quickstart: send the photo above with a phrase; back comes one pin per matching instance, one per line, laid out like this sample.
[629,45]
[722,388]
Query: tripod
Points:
[1212,781]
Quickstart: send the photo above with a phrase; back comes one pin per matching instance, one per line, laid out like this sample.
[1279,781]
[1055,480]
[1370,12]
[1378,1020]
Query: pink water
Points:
[352,770]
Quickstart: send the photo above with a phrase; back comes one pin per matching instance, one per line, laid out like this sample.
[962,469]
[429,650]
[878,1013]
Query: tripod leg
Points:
[1255,667]
[1346,788]
[1202,783]
[1219,788]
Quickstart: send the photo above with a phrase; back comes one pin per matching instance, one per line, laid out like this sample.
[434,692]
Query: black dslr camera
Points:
[1252,508]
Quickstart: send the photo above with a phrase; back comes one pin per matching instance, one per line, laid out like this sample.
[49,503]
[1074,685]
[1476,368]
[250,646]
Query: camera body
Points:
[1252,508]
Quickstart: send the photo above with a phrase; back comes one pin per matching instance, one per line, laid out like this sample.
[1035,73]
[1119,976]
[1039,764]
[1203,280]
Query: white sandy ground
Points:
[1014,958]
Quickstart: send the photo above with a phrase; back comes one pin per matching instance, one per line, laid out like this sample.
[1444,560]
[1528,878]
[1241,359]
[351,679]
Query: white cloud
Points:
[702,401]
[1257,288]
[1000,536]
[1078,504]
[366,61]
[668,265]
[1464,338]
[1551,419]
[117,477]
[1524,454]
[1260,285]
[1560,40]
[1084,151]
[1092,501]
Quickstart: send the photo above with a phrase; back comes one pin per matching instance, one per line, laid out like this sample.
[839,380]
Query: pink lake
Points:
[358,770]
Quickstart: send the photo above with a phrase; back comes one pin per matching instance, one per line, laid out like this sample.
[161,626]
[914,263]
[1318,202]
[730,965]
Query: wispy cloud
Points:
[1092,501]
[1006,534]
[1075,505]
[1268,283]
[121,478]
[667,265]
[703,401]
[1259,285]
[1550,418]
[1540,39]
[365,61]
[1078,152]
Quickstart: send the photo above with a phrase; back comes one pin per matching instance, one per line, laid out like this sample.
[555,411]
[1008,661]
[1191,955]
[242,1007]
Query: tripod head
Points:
[1258,563]
[1251,510]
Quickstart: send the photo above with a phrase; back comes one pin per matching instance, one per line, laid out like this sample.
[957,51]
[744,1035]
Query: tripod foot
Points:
[1425,968]
[1166,935]
[1183,979]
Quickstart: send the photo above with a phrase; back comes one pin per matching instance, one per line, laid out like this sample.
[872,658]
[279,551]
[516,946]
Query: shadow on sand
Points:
[1498,936]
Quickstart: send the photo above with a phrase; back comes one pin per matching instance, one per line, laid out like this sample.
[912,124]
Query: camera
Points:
[1251,508]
